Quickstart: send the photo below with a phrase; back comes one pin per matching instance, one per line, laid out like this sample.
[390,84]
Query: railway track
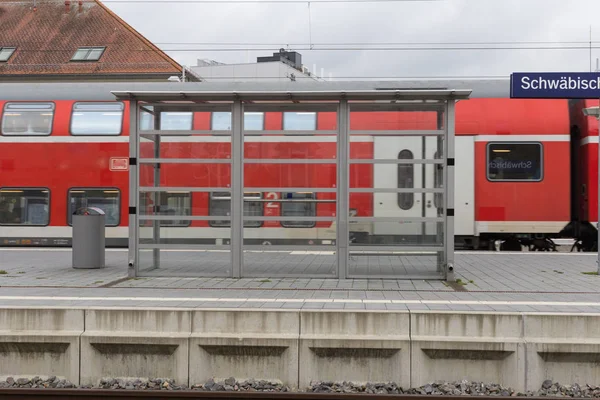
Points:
[104,394]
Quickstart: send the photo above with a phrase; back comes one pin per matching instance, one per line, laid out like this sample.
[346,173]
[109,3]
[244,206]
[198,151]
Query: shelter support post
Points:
[449,191]
[343,184]
[133,255]
[157,195]
[237,191]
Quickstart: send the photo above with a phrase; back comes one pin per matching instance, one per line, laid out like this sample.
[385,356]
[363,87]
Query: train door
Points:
[391,176]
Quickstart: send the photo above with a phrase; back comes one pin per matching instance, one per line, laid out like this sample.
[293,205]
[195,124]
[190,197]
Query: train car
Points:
[520,166]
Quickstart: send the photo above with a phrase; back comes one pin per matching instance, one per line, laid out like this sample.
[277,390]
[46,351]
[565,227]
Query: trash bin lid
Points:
[89,211]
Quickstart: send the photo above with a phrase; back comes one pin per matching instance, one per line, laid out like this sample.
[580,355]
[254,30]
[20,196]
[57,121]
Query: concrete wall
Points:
[520,350]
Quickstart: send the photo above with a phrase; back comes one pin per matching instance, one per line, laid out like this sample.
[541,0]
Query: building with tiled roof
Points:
[52,40]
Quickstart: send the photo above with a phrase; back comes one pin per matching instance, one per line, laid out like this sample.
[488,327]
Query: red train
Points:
[525,170]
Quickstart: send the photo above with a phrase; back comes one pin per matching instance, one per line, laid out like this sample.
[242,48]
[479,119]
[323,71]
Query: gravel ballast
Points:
[462,388]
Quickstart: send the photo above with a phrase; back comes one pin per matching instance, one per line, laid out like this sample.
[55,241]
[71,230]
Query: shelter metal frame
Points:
[237,102]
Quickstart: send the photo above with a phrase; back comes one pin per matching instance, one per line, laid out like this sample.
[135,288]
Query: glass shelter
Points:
[322,181]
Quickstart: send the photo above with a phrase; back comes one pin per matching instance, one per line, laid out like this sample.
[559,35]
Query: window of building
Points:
[293,206]
[514,162]
[108,200]
[220,204]
[299,121]
[27,119]
[406,179]
[97,119]
[24,206]
[253,121]
[88,54]
[6,53]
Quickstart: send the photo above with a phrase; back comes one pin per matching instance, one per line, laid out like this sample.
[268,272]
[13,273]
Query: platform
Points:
[512,319]
[486,281]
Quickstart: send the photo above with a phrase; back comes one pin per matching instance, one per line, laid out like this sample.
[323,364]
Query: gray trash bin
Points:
[89,238]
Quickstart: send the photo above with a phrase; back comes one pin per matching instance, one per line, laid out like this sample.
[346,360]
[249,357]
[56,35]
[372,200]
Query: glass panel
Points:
[80,54]
[253,121]
[97,119]
[286,148]
[280,251]
[394,233]
[220,204]
[514,162]
[283,175]
[293,206]
[406,179]
[176,121]
[383,248]
[95,53]
[438,178]
[24,207]
[27,119]
[169,120]
[178,229]
[107,200]
[170,203]
[5,53]
[185,263]
[176,175]
[299,121]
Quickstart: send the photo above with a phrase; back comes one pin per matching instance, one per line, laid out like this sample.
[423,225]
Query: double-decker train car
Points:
[524,169]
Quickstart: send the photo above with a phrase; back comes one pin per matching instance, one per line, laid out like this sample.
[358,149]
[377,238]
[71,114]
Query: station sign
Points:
[555,85]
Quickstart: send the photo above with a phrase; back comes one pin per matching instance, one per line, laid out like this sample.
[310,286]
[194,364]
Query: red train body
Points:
[45,175]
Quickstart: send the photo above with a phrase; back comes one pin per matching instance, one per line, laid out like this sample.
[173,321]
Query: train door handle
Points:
[428,203]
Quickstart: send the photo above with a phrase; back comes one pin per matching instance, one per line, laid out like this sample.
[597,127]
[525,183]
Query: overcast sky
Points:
[278,25]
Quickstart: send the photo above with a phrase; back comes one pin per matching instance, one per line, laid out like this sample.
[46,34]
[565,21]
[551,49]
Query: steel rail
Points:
[108,394]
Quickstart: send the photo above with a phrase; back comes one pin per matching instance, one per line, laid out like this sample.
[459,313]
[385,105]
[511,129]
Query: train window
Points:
[299,121]
[108,200]
[6,52]
[176,120]
[29,207]
[220,205]
[514,162]
[253,121]
[97,119]
[406,180]
[169,120]
[293,206]
[27,119]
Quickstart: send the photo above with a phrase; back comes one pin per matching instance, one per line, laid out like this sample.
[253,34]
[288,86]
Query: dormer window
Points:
[6,52]
[88,54]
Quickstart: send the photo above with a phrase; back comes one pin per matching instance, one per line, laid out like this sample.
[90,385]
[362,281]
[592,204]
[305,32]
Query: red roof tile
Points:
[47,36]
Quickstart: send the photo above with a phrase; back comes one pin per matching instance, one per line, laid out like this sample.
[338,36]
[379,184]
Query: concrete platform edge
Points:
[295,347]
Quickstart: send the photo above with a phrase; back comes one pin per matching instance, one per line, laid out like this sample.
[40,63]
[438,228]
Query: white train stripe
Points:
[299,300]
[588,140]
[181,139]
[271,139]
[64,139]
